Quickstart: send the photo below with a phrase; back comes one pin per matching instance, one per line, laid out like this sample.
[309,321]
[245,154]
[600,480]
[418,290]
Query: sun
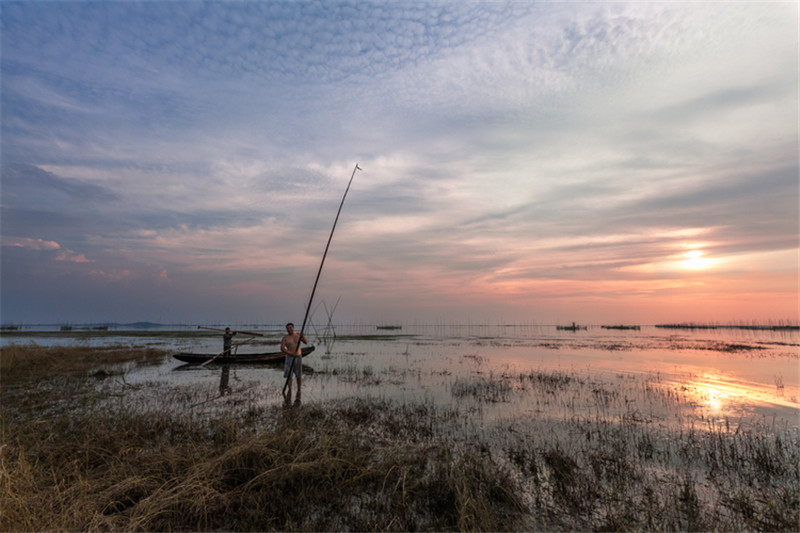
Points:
[695,260]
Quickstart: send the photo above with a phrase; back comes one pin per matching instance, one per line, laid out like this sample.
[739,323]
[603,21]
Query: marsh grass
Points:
[486,389]
[629,455]
[595,476]
[97,454]
[352,465]
[31,362]
[342,468]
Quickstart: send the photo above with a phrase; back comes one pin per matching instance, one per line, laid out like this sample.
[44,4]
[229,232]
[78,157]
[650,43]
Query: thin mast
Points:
[325,254]
[316,281]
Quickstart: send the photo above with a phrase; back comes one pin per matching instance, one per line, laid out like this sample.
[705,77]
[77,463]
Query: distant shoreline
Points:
[728,326]
[11,328]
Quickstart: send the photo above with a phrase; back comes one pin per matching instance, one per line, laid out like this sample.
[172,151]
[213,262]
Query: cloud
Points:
[506,146]
[27,184]
[31,244]
[115,275]
[41,245]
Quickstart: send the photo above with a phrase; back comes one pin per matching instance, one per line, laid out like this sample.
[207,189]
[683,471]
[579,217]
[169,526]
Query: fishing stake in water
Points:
[314,289]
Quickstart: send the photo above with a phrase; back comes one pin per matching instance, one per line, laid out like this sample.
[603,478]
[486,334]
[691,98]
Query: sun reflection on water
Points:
[718,396]
[715,399]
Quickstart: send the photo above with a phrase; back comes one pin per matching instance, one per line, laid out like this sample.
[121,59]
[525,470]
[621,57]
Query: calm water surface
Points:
[730,375]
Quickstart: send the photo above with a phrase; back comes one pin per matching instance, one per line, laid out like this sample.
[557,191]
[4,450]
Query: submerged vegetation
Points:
[84,450]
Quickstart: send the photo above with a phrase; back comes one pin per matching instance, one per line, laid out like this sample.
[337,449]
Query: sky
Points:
[522,162]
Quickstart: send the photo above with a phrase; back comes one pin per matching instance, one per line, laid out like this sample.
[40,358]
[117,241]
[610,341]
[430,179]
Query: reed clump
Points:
[486,389]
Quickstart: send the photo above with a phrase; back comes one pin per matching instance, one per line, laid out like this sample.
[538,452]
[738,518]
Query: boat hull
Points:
[246,359]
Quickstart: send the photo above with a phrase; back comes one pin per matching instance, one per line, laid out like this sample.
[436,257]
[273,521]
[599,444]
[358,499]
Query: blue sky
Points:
[523,161]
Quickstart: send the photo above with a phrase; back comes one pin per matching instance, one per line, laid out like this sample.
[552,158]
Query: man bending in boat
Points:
[293,362]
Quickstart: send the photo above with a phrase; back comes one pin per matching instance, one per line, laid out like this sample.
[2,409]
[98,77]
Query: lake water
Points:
[730,376]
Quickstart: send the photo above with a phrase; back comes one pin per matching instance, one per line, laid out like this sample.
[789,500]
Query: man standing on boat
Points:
[227,342]
[293,362]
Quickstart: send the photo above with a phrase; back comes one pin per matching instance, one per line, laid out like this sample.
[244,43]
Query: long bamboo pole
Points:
[227,352]
[316,281]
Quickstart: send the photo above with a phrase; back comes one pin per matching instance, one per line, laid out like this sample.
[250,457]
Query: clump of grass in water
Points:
[548,380]
[498,388]
[489,389]
[355,374]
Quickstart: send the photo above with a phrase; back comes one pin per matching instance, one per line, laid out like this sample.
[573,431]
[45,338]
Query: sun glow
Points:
[696,260]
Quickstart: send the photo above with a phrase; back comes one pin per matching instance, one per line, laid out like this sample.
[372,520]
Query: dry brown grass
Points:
[342,467]
[126,471]
[31,362]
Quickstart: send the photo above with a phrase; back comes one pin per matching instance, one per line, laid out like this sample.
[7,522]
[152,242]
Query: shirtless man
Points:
[293,362]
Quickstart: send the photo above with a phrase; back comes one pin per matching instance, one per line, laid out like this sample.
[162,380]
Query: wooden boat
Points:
[248,359]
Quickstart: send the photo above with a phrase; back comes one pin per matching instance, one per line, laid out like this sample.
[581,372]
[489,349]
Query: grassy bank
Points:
[80,451]
[22,364]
